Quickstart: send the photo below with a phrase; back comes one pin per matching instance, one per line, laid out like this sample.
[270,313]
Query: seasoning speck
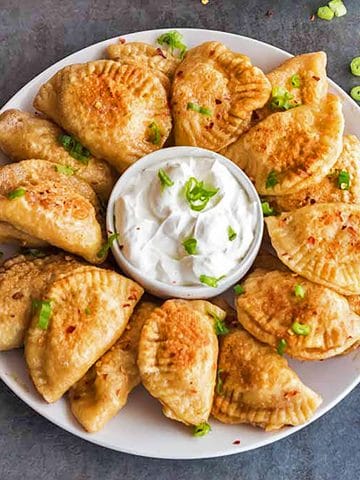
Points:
[312,18]
[236,442]
[269,13]
[122,40]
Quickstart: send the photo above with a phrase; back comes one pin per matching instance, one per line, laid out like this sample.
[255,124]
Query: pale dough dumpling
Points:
[11,235]
[289,151]
[104,390]
[214,94]
[256,386]
[119,112]
[274,302]
[177,358]
[24,135]
[322,243]
[89,311]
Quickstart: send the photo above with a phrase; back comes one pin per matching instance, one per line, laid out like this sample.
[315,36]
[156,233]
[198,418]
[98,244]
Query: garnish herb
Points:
[219,382]
[219,326]
[87,311]
[266,209]
[197,194]
[272,179]
[174,40]
[295,81]
[190,245]
[325,13]
[280,99]
[65,169]
[104,249]
[355,66]
[155,135]
[197,108]
[75,149]
[281,346]
[300,328]
[338,7]
[18,192]
[165,179]
[231,233]
[211,281]
[343,180]
[44,310]
[299,291]
[239,289]
[201,430]
[355,93]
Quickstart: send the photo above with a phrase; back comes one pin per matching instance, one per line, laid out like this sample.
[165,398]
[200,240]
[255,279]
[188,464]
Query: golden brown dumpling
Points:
[112,109]
[328,189]
[89,310]
[322,243]
[225,86]
[24,135]
[289,151]
[274,303]
[256,386]
[104,389]
[11,235]
[177,358]
[268,261]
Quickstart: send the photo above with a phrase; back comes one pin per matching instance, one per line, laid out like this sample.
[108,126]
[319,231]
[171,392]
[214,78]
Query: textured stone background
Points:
[35,34]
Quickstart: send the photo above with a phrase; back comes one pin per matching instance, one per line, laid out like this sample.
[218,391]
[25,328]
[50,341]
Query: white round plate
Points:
[140,428]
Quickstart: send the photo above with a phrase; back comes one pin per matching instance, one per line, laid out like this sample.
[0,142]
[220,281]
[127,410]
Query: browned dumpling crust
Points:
[226,85]
[256,386]
[177,358]
[274,303]
[89,311]
[104,389]
[13,236]
[110,108]
[24,136]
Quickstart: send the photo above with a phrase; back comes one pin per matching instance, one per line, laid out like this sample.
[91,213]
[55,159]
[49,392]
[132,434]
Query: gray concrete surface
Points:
[33,35]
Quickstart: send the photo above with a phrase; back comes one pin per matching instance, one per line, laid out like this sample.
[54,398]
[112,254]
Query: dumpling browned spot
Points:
[256,386]
[23,279]
[89,311]
[213,96]
[275,303]
[329,189]
[303,76]
[292,150]
[104,389]
[24,135]
[119,112]
[11,235]
[322,243]
[62,206]
[268,261]
[177,358]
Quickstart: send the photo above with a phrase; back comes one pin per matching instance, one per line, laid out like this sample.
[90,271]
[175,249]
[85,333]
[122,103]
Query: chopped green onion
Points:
[155,135]
[325,13]
[197,108]
[65,169]
[197,194]
[18,192]
[355,66]
[104,249]
[295,81]
[338,7]
[201,429]
[174,40]
[165,179]
[239,289]
[281,346]
[266,209]
[299,291]
[300,328]
[343,180]
[211,281]
[87,311]
[44,309]
[219,382]
[231,233]
[75,149]
[280,99]
[190,245]
[355,93]
[219,326]
[272,179]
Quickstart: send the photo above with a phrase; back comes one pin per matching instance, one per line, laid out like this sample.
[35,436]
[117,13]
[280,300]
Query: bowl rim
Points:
[157,287]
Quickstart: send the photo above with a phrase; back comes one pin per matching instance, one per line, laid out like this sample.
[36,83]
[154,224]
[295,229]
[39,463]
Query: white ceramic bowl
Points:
[165,290]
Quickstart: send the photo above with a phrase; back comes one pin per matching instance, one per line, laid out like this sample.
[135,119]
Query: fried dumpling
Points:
[119,112]
[256,386]
[289,151]
[89,311]
[23,279]
[177,358]
[267,261]
[104,389]
[24,135]
[214,94]
[322,243]
[303,76]
[11,235]
[65,215]
[329,189]
[314,321]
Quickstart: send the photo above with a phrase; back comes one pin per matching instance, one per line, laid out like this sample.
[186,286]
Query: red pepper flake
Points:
[218,101]
[316,78]
[351,230]
[269,13]
[17,295]
[311,240]
[126,305]
[160,52]
[180,74]
[290,394]
[70,329]
[312,18]
[236,442]
[122,40]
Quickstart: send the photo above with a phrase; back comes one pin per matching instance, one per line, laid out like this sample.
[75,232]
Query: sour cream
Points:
[153,221]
